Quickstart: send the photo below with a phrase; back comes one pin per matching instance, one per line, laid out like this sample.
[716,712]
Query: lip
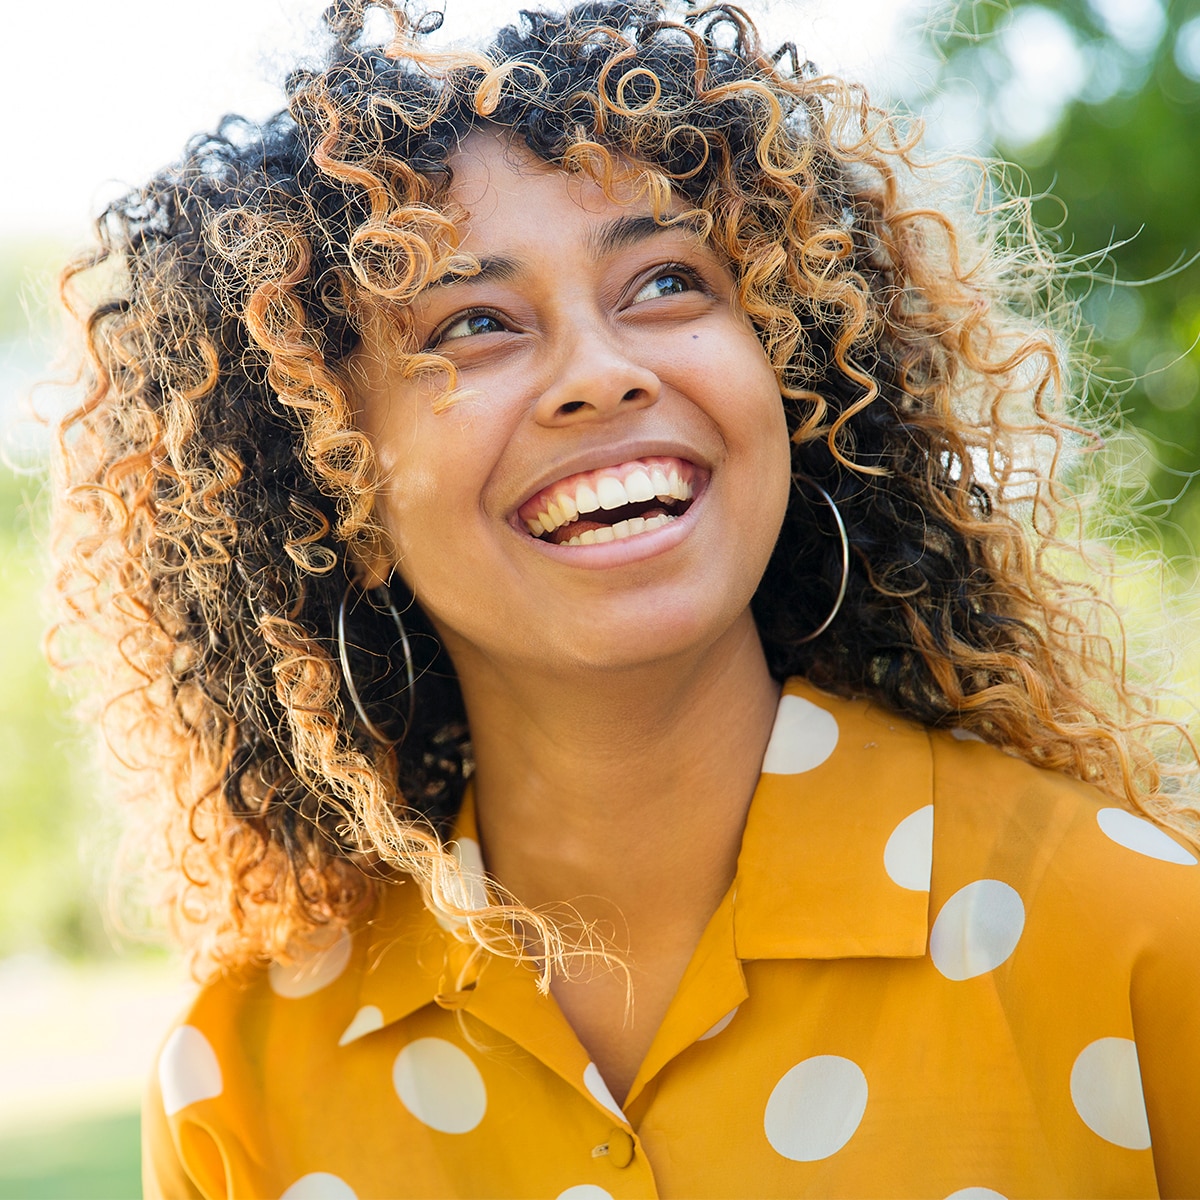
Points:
[606,555]
[601,458]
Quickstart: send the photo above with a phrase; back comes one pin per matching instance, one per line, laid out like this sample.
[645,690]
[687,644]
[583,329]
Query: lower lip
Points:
[605,555]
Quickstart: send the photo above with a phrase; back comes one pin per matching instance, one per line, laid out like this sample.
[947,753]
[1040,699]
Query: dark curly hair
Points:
[214,490]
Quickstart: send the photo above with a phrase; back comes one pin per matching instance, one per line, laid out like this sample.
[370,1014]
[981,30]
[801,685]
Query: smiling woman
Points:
[566,530]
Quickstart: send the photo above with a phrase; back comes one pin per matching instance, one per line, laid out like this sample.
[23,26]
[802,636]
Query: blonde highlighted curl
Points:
[214,491]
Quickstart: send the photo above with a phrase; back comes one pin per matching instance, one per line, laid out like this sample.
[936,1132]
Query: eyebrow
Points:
[612,236]
[622,232]
[491,267]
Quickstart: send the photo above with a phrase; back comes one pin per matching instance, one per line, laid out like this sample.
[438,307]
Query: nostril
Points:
[632,394]
[572,406]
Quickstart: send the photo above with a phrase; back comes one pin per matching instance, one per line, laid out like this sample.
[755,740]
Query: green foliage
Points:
[1118,167]
[51,847]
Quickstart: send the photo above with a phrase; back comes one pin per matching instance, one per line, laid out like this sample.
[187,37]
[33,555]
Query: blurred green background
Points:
[1096,103]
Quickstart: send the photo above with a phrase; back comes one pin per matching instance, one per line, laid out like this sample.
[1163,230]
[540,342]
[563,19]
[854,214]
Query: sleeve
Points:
[164,1176]
[1166,1018]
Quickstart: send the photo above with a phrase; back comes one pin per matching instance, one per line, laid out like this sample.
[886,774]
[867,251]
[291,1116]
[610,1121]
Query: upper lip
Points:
[598,458]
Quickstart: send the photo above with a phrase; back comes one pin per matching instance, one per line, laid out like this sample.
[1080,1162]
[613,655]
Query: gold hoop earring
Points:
[841,528]
[409,669]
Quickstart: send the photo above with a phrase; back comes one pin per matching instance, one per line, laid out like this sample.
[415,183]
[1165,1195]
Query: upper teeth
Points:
[611,494]
[567,501]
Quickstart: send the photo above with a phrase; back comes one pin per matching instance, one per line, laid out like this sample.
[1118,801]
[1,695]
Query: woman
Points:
[574,532]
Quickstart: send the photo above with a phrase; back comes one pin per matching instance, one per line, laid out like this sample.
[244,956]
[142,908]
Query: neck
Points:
[623,793]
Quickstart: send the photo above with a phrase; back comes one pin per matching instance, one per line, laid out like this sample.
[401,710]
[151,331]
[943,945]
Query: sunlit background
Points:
[1095,103]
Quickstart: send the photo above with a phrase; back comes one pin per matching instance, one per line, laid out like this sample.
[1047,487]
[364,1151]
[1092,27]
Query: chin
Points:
[638,643]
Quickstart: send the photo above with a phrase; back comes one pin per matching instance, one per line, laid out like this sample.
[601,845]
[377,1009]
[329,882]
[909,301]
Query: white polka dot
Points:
[908,855]
[584,1191]
[977,929]
[967,735]
[594,1082]
[320,1185]
[312,972]
[1106,1089]
[470,861]
[803,737]
[440,1085]
[975,1193]
[366,1020]
[1136,833]
[188,1070]
[719,1026]
[471,892]
[815,1108]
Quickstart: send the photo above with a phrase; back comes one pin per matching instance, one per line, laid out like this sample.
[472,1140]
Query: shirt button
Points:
[620,1147]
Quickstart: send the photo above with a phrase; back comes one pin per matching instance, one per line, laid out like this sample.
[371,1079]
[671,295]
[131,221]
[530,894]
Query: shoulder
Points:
[1059,855]
[319,993]
[1022,811]
[214,1052]
[991,814]
[1086,918]
[1001,823]
[257,1042]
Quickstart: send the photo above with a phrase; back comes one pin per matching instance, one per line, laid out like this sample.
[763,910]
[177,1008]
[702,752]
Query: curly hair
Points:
[214,490]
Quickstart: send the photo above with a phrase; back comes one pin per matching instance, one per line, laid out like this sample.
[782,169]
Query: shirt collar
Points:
[834,862]
[836,853]
[407,960]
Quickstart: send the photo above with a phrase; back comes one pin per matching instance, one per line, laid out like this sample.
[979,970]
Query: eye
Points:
[466,325]
[667,281]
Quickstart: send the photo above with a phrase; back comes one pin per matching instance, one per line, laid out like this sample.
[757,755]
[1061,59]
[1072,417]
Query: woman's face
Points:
[609,492]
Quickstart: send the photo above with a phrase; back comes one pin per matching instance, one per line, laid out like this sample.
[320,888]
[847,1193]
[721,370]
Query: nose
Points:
[595,377]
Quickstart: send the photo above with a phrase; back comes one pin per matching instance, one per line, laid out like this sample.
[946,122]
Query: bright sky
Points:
[100,92]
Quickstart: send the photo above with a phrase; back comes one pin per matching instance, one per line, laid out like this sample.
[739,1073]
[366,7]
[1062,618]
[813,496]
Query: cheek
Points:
[773,459]
[423,462]
[434,471]
[776,485]
[763,420]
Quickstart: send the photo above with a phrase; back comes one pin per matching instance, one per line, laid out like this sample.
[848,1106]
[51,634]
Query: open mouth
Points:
[612,503]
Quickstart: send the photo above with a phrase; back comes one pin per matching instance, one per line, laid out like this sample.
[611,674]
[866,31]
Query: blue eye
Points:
[669,283]
[468,325]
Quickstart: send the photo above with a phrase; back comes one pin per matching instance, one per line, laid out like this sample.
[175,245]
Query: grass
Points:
[93,1159]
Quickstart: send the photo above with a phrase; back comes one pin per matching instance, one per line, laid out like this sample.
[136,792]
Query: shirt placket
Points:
[504,996]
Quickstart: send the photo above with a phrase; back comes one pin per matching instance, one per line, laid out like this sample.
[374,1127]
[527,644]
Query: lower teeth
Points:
[620,531]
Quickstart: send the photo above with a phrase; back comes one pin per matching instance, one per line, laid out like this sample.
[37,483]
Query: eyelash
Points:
[439,334]
[674,268]
[689,274]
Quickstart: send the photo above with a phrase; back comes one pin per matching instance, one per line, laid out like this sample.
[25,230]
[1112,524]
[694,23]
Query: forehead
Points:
[505,189]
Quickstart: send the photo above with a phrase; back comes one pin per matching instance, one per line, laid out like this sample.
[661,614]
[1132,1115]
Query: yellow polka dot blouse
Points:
[940,972]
